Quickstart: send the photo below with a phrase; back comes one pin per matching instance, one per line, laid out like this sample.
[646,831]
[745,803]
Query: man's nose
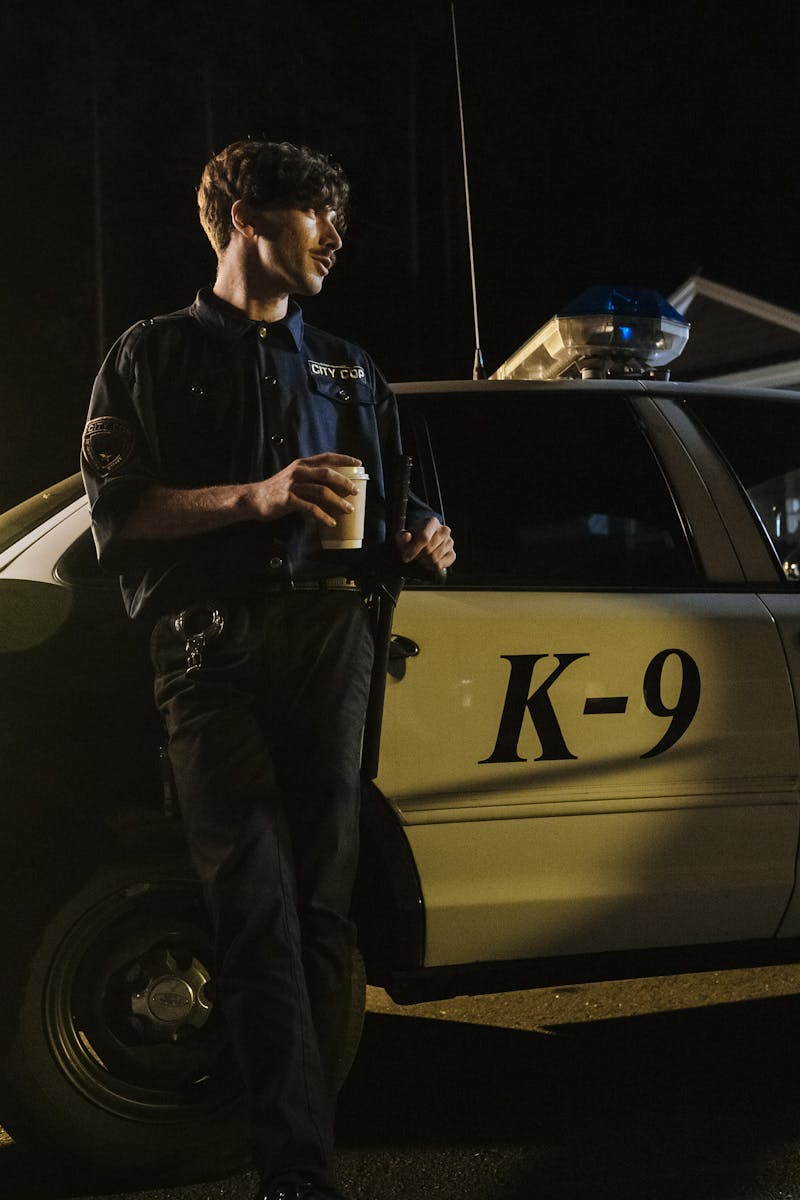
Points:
[329,234]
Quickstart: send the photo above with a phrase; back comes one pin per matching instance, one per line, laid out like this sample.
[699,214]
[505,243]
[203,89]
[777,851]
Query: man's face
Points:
[296,248]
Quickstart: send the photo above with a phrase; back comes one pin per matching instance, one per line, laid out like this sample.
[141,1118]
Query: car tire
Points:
[355,1023]
[115,1054]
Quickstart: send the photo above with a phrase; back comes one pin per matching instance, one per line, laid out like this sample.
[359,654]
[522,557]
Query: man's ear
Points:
[242,218]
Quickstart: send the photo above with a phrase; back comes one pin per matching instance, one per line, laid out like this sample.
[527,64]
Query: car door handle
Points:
[400,649]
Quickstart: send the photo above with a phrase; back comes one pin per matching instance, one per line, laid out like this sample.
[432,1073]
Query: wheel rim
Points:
[129,1007]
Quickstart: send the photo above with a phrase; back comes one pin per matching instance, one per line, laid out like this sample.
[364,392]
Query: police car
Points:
[589,761]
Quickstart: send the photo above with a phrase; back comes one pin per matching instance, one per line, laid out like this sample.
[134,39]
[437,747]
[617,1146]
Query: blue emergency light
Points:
[604,332]
[611,327]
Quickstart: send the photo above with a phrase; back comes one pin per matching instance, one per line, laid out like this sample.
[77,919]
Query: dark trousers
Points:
[264,743]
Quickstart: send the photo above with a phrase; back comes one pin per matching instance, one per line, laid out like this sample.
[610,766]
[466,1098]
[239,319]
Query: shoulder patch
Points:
[107,444]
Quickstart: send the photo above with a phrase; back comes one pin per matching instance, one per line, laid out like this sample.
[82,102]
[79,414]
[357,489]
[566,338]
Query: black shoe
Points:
[297,1191]
[289,1191]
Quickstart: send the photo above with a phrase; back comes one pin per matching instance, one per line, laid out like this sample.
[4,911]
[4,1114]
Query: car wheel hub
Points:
[174,1002]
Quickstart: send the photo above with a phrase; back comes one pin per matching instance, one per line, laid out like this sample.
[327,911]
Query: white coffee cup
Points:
[349,531]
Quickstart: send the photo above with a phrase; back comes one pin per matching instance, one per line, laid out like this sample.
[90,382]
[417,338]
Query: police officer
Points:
[212,457]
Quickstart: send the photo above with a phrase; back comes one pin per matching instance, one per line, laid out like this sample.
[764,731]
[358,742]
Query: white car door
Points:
[759,435]
[596,747]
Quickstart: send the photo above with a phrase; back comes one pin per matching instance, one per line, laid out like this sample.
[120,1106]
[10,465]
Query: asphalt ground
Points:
[687,1088]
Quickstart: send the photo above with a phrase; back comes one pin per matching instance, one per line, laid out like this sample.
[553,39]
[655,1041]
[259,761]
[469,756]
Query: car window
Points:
[553,490]
[760,438]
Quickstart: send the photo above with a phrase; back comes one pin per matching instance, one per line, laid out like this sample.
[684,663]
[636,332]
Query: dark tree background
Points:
[609,140]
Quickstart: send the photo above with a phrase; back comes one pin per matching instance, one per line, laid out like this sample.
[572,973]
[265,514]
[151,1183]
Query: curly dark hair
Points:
[268,174]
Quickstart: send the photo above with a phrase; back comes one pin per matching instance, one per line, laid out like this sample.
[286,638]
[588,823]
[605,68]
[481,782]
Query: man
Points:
[213,458]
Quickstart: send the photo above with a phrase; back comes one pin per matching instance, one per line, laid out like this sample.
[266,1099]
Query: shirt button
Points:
[270,381]
[277,439]
[275,563]
[263,331]
[342,394]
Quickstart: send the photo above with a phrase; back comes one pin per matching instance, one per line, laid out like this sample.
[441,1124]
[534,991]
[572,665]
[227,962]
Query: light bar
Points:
[604,332]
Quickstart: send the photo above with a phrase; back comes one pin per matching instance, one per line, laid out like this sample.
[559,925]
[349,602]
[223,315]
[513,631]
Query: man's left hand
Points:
[429,545]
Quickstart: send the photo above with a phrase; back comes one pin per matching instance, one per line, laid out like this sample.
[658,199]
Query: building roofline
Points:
[779,375]
[698,285]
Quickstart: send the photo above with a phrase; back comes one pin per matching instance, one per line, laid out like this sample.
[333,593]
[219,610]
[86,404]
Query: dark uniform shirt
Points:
[204,396]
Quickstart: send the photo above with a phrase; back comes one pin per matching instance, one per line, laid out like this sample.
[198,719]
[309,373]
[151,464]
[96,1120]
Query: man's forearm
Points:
[165,513]
[309,487]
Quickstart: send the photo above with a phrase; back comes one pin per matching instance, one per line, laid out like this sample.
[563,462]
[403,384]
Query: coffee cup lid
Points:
[356,472]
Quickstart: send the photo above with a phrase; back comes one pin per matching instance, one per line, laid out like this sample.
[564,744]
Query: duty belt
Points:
[337,583]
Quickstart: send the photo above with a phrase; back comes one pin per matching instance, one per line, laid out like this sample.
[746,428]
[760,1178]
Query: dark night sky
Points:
[609,140]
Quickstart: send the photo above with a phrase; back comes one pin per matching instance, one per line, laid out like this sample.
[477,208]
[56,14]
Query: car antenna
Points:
[478,369]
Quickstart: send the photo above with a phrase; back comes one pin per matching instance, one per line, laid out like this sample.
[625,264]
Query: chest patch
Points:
[337,370]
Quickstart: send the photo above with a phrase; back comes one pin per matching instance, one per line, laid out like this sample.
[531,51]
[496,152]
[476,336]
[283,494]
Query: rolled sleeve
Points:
[118,450]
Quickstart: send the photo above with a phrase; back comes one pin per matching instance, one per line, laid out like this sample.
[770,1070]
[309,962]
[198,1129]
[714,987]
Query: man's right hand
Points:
[310,486]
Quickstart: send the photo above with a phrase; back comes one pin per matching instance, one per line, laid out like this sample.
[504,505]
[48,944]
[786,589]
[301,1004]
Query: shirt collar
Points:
[231,323]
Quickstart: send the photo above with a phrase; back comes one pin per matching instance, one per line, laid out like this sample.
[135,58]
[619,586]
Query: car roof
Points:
[675,389]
